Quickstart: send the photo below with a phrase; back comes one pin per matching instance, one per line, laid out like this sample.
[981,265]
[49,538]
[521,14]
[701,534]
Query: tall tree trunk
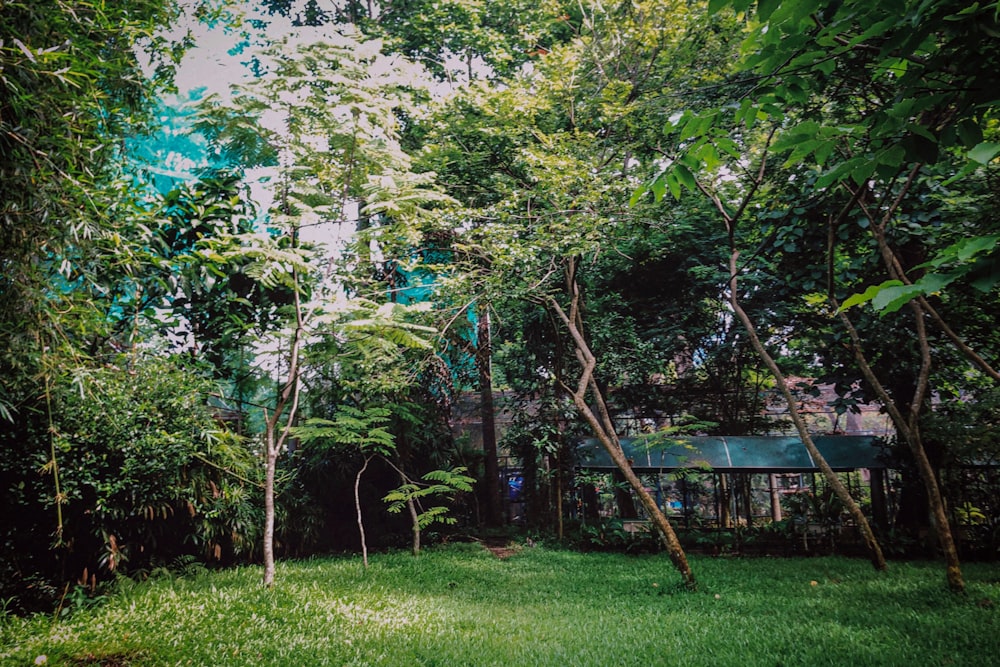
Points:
[909,430]
[357,509]
[274,441]
[603,426]
[772,482]
[867,535]
[725,501]
[731,219]
[411,505]
[271,464]
[609,440]
[908,425]
[491,469]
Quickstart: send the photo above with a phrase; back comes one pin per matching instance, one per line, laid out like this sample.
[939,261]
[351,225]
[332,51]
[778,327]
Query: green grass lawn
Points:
[461,605]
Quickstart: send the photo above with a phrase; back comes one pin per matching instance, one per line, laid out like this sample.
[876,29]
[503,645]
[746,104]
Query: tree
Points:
[274,261]
[556,149]
[146,477]
[463,40]
[360,429]
[324,110]
[858,102]
[73,85]
[437,483]
[372,341]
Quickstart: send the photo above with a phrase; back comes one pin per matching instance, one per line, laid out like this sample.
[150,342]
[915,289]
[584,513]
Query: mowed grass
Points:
[461,605]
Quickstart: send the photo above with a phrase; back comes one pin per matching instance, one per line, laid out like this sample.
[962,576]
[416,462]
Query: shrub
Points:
[146,474]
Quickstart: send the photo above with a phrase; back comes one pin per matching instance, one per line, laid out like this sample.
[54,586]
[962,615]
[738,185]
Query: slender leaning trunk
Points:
[271,464]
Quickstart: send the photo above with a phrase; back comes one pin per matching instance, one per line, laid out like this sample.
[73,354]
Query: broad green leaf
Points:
[823,152]
[685,177]
[964,250]
[729,147]
[659,187]
[637,195]
[862,171]
[765,8]
[673,184]
[892,298]
[892,156]
[919,148]
[983,153]
[970,132]
[802,150]
[931,283]
[706,154]
[867,295]
[795,135]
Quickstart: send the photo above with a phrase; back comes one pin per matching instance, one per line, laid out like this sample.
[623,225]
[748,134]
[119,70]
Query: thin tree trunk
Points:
[875,550]
[909,430]
[411,506]
[934,497]
[357,507]
[289,397]
[725,501]
[271,464]
[908,425]
[731,220]
[609,440]
[414,517]
[603,426]
[559,501]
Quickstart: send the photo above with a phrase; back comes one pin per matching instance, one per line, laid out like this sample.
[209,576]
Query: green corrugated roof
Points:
[738,453]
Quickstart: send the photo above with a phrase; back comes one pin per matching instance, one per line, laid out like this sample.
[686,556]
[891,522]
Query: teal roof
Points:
[738,453]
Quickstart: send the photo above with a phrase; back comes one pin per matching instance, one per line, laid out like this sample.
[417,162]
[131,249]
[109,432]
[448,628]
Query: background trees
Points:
[71,85]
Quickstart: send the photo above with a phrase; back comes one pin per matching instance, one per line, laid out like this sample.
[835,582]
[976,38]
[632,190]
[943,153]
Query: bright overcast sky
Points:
[212,66]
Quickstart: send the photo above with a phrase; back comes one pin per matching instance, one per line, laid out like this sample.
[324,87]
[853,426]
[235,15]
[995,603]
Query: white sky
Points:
[213,66]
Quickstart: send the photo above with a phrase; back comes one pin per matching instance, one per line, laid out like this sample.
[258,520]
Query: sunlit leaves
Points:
[437,484]
[364,428]
[984,152]
[265,258]
[972,259]
[389,321]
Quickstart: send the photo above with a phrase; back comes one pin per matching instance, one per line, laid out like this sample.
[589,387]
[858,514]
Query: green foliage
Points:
[71,86]
[463,605]
[326,113]
[364,429]
[834,123]
[438,484]
[810,72]
[372,350]
[470,39]
[146,474]
[611,535]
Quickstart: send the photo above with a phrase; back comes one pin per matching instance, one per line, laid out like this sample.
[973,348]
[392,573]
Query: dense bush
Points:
[146,476]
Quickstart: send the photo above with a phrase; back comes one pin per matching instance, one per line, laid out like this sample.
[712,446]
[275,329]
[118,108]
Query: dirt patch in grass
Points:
[502,549]
[108,660]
